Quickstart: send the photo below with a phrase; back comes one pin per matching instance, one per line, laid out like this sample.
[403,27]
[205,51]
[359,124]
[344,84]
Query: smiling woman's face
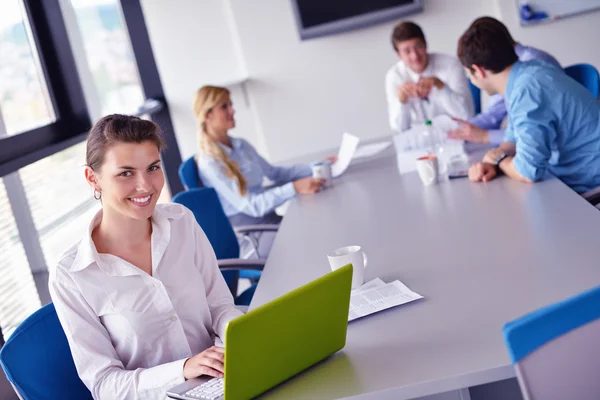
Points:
[130,179]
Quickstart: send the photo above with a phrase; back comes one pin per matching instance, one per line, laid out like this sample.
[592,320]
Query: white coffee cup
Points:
[322,170]
[428,168]
[350,255]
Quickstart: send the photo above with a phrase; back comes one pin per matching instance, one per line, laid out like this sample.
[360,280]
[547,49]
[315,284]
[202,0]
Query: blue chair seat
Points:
[209,214]
[188,174]
[250,274]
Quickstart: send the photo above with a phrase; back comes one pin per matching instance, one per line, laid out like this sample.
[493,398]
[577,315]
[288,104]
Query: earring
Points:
[97,194]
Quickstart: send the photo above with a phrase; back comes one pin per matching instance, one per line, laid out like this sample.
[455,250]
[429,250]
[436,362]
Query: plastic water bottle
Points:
[437,140]
[441,151]
[428,138]
[432,138]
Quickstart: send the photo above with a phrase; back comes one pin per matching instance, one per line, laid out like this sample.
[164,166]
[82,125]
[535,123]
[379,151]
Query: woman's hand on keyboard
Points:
[209,362]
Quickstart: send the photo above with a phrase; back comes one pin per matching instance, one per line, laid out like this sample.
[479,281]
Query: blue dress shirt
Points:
[556,125]
[494,114]
[260,200]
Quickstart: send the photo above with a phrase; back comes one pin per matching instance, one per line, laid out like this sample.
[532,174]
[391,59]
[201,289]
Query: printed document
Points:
[375,296]
[347,150]
[369,150]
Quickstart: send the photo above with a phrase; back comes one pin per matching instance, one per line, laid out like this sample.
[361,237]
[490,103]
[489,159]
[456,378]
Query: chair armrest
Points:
[256,228]
[236,264]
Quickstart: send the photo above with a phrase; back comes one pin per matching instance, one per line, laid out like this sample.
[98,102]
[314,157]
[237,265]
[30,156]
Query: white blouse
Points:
[130,333]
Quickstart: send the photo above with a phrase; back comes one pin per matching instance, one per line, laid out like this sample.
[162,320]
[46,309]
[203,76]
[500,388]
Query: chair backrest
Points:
[555,350]
[188,174]
[207,209]
[476,93]
[209,214]
[37,359]
[587,75]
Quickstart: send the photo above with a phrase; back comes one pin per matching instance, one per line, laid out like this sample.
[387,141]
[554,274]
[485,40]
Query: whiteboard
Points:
[552,10]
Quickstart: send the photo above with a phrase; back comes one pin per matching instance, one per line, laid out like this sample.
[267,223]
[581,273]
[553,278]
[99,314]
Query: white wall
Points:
[304,94]
[571,40]
[194,44]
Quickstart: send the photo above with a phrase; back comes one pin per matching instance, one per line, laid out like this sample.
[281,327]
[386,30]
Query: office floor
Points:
[6,392]
[502,390]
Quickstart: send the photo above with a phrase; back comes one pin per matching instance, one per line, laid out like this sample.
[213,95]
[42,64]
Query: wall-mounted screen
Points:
[320,18]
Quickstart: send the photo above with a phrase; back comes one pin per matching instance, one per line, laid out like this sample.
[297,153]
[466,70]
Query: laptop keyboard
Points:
[210,390]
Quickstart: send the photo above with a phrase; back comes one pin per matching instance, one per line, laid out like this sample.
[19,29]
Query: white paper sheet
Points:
[347,150]
[412,139]
[409,144]
[369,150]
[444,123]
[378,298]
[369,285]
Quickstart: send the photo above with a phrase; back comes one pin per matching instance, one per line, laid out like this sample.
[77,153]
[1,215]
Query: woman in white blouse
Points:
[140,297]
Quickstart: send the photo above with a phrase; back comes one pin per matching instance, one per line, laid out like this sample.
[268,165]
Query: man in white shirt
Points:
[423,85]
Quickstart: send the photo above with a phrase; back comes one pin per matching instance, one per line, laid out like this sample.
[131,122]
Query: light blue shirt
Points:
[260,200]
[556,124]
[494,114]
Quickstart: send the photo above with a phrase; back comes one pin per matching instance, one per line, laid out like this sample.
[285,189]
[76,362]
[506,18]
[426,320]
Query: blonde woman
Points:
[234,168]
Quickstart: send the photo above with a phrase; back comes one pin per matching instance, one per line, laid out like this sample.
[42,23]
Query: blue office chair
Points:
[188,174]
[37,360]
[476,93]
[555,349]
[587,75]
[190,178]
[205,205]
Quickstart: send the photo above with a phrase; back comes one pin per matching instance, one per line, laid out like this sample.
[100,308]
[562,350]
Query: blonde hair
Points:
[205,99]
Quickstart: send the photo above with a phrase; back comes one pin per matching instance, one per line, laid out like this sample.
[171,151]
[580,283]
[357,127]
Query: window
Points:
[18,293]
[109,55]
[83,54]
[24,98]
[60,200]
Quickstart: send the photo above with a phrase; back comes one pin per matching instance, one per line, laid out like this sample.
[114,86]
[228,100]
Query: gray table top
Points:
[480,254]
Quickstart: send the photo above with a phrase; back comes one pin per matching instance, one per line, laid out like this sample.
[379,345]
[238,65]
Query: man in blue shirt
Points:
[485,127]
[554,122]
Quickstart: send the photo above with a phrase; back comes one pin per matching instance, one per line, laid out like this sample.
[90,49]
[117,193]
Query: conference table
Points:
[481,254]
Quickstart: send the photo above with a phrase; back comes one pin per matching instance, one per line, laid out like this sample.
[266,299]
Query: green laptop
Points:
[278,340]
